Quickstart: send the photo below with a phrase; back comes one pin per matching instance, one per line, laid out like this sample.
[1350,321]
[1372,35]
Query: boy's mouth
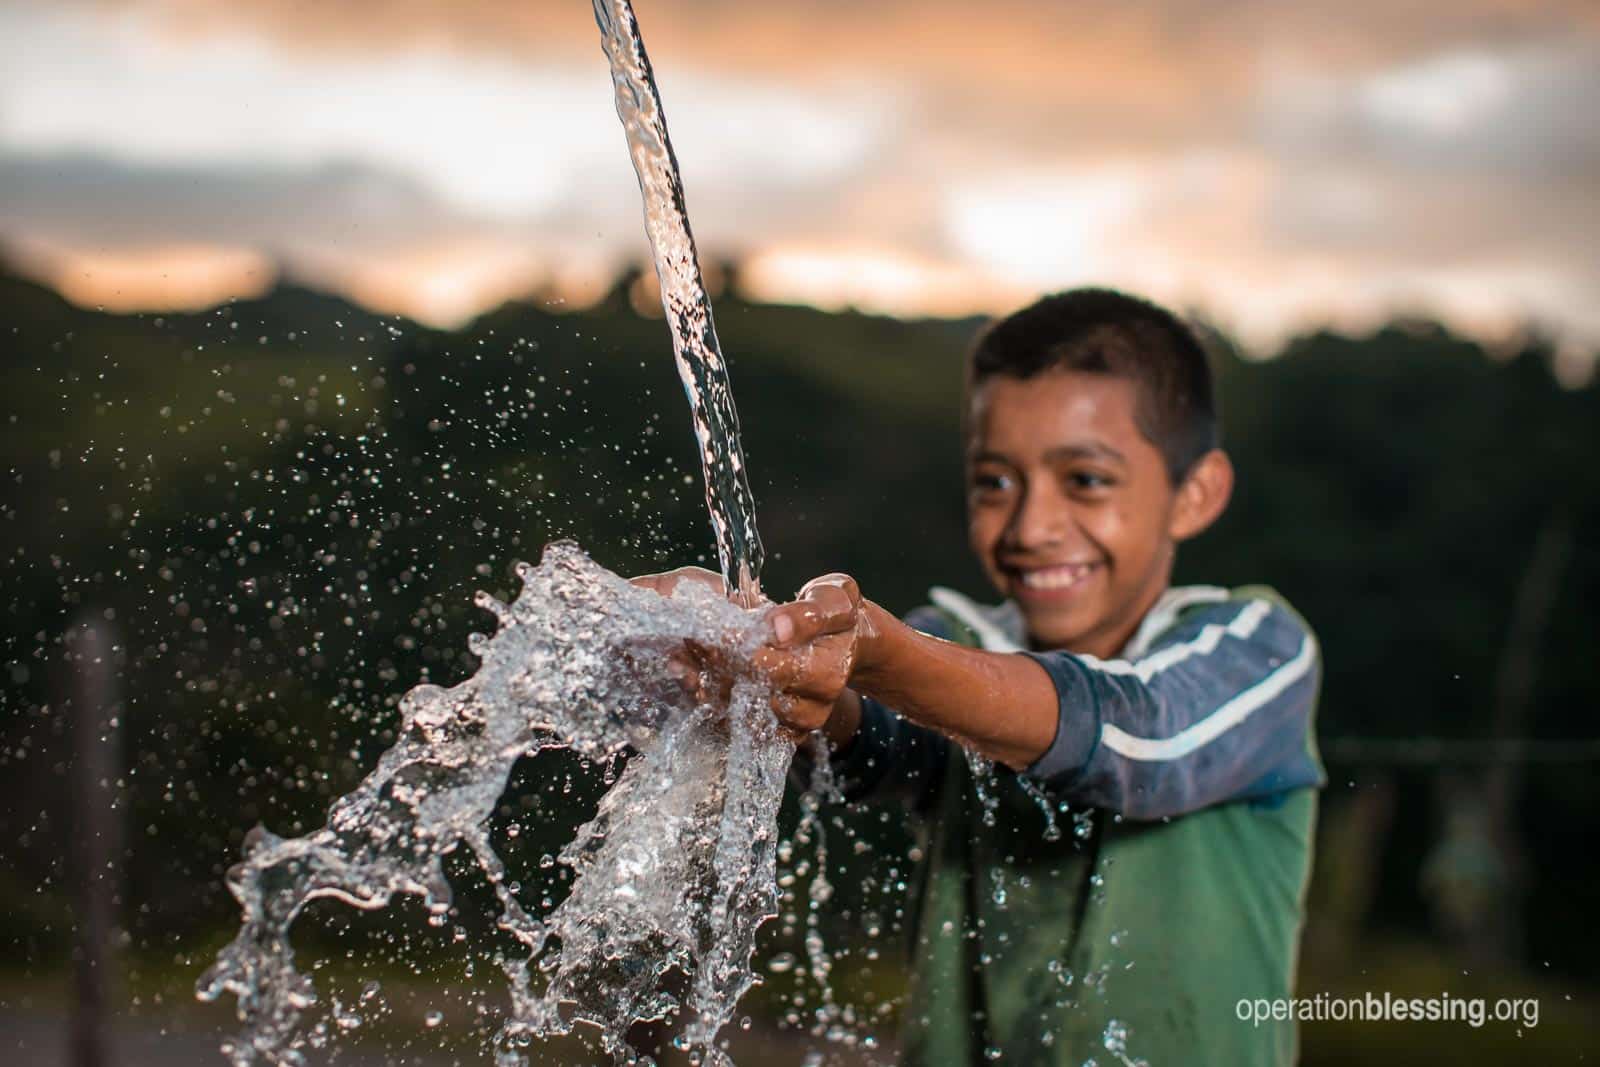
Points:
[1053,581]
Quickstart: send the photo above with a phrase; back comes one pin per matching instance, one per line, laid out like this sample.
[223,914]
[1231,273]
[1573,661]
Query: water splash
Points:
[1048,807]
[677,869]
[985,785]
[683,296]
[1115,1040]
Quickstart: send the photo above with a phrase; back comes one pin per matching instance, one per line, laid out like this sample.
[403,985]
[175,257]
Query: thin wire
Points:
[1427,751]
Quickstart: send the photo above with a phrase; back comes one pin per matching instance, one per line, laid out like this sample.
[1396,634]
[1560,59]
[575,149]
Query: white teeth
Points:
[1055,577]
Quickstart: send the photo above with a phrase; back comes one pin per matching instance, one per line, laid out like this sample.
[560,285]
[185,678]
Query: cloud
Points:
[1487,109]
[1105,62]
[203,233]
[88,199]
[1276,162]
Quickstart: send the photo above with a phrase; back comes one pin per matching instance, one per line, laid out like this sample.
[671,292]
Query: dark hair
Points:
[1101,331]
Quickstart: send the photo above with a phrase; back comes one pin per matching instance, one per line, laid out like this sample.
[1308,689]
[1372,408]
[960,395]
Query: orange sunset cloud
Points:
[1275,165]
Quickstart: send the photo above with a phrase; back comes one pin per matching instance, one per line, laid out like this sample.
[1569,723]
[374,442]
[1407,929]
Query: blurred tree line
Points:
[282,506]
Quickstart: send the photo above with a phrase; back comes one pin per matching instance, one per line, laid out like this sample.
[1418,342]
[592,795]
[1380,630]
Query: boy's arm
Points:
[1223,709]
[1002,705]
[1220,710]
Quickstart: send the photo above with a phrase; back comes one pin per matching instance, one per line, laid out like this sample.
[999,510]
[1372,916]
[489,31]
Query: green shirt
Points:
[1170,889]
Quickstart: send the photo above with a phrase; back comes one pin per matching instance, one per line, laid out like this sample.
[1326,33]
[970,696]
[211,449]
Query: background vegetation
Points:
[281,507]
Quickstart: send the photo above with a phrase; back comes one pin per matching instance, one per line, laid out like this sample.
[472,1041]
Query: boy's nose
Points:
[1040,520]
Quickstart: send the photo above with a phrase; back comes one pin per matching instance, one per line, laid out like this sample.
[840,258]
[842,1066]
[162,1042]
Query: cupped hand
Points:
[814,644]
[700,670]
[668,581]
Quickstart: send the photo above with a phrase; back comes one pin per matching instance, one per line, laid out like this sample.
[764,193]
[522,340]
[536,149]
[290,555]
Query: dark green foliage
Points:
[285,505]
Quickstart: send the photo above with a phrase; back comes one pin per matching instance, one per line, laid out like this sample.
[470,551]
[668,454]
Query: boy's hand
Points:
[698,669]
[813,648]
[809,657]
[665,582]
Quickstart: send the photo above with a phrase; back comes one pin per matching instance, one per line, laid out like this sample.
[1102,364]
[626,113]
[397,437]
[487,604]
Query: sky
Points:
[1274,164]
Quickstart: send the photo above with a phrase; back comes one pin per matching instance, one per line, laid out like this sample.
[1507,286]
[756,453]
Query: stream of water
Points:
[701,365]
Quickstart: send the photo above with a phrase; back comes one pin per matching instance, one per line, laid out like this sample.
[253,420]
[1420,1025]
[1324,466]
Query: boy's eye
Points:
[991,482]
[1088,480]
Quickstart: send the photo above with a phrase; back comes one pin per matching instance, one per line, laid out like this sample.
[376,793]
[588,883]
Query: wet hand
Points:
[668,581]
[813,647]
[699,670]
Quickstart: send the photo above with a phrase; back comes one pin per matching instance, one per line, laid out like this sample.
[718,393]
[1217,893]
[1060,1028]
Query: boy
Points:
[1174,723]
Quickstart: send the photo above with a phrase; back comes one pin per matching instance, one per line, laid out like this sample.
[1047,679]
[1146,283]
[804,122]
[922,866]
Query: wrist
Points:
[875,639]
[844,722]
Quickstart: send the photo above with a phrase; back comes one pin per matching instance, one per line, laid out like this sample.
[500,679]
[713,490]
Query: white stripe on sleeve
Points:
[1203,643]
[1225,718]
[989,635]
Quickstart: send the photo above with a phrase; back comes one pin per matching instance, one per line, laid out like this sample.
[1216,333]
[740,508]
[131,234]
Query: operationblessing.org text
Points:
[1386,1008]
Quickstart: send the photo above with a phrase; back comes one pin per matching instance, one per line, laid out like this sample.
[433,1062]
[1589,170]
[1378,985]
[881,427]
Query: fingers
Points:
[684,671]
[651,582]
[702,672]
[794,735]
[781,668]
[834,580]
[827,605]
[807,661]
[667,582]
[797,718]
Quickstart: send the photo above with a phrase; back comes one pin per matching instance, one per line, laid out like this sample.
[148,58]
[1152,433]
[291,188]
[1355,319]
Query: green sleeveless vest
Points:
[1119,941]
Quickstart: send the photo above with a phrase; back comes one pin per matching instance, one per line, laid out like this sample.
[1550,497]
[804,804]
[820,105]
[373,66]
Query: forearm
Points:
[843,725]
[1002,705]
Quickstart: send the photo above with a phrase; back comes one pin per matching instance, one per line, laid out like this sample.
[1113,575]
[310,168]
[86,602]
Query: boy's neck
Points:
[1109,645]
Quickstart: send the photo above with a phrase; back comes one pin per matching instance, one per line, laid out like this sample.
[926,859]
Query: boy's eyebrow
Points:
[1086,450]
[1081,450]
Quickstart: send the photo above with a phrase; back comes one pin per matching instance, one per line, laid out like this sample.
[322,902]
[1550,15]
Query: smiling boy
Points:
[1137,865]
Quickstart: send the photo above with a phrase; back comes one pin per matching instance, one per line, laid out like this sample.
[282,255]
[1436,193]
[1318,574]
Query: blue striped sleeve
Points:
[1219,709]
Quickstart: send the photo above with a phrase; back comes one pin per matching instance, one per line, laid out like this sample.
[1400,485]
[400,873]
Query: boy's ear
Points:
[1203,495]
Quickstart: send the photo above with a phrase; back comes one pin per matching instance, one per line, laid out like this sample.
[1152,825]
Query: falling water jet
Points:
[683,296]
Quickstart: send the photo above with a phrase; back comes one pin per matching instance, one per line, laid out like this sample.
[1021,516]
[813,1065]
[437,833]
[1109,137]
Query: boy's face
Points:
[1071,510]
